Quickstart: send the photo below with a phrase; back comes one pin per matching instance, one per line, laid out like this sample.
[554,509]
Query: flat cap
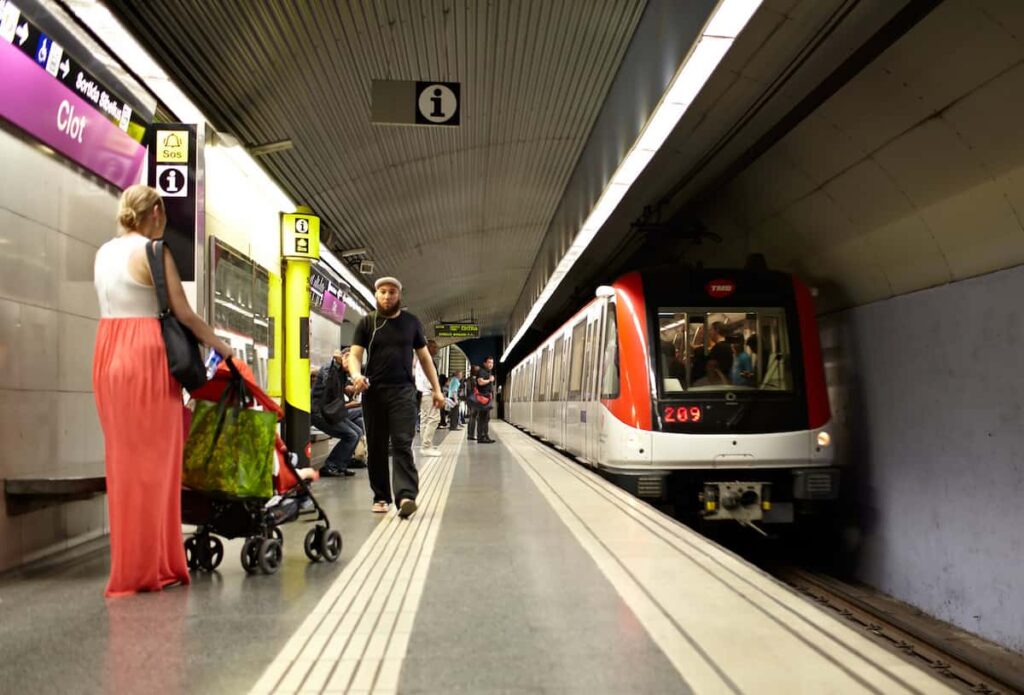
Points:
[387,281]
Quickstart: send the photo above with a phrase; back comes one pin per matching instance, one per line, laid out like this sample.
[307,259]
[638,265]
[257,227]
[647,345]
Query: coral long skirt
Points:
[140,410]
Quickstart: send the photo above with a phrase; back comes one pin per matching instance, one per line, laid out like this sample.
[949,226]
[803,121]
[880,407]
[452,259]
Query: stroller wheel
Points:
[330,544]
[251,555]
[270,555]
[277,533]
[192,552]
[214,553]
[312,543]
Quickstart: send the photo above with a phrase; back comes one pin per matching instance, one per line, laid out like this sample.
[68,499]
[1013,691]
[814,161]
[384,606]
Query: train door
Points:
[558,391]
[608,374]
[574,406]
[588,410]
[595,411]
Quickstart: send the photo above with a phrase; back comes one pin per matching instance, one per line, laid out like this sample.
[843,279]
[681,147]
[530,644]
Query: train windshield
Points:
[723,350]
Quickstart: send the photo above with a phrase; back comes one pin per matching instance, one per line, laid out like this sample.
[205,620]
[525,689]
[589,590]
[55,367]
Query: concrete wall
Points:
[53,218]
[928,391]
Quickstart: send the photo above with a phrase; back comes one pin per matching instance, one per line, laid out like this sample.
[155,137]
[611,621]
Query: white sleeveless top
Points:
[120,295]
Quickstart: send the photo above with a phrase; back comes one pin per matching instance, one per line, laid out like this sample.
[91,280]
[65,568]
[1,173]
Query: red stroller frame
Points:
[258,520]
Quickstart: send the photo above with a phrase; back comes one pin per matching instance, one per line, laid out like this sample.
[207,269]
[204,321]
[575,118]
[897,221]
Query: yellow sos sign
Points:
[172,146]
[300,236]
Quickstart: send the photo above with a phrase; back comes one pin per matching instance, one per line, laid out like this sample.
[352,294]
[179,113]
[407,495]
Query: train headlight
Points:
[824,439]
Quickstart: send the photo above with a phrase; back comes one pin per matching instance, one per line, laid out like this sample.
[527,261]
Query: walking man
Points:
[430,414]
[387,337]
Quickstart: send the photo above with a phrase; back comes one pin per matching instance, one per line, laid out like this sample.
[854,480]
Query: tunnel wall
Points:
[927,393]
[53,218]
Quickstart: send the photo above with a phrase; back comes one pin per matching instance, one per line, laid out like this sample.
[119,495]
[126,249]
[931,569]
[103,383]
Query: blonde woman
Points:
[139,402]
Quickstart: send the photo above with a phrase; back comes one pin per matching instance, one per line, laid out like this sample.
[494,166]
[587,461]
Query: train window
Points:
[610,376]
[576,363]
[556,380]
[723,350]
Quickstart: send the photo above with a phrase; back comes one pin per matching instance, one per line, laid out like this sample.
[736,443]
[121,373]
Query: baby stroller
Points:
[257,519]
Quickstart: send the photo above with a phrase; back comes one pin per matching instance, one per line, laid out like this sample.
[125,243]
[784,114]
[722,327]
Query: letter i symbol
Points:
[436,101]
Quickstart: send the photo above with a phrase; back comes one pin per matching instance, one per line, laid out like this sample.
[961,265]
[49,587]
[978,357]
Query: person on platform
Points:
[485,391]
[430,413]
[387,337]
[139,402]
[329,413]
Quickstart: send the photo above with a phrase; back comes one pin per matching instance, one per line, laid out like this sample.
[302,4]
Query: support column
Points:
[300,246]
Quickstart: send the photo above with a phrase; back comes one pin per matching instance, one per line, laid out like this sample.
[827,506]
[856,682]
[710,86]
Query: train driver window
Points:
[610,376]
[723,350]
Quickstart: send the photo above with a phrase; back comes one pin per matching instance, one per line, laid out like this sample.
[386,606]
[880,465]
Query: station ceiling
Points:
[851,141]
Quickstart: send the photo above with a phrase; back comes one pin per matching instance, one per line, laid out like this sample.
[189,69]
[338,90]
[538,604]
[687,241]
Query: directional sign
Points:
[456,330]
[403,102]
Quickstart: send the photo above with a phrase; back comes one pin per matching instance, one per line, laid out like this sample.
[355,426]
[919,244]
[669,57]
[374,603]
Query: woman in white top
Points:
[139,402]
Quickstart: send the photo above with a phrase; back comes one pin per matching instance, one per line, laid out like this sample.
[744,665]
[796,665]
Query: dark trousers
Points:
[389,413]
[471,412]
[347,435]
[483,421]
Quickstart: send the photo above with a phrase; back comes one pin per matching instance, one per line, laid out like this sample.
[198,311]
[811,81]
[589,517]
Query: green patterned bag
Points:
[229,447]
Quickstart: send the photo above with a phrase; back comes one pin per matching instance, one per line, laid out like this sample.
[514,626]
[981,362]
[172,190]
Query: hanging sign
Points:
[405,102]
[456,330]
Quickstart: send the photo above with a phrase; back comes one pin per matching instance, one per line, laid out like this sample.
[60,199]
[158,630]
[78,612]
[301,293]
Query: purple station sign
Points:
[42,106]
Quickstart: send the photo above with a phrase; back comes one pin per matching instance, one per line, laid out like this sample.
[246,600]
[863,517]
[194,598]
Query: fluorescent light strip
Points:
[332,262]
[725,24]
[98,18]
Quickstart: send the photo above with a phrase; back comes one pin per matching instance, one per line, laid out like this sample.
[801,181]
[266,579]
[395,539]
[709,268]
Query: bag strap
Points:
[155,254]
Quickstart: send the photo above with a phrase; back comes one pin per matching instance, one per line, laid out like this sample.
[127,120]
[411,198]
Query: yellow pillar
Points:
[300,246]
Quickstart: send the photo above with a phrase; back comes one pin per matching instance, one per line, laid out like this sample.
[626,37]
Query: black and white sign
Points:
[172,180]
[404,102]
[437,103]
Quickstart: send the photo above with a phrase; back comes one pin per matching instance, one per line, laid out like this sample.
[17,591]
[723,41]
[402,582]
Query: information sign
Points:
[405,102]
[300,236]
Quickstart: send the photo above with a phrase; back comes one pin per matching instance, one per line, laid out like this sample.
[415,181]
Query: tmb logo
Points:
[720,289]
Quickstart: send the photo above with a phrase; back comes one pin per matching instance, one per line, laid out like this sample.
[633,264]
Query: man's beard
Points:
[385,313]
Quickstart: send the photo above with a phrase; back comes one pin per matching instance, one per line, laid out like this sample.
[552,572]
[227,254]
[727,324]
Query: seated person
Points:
[329,413]
[713,376]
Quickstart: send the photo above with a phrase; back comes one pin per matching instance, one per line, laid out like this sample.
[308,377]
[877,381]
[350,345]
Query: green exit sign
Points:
[456,330]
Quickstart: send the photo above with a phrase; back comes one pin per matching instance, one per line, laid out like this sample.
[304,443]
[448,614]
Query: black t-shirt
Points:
[389,344]
[722,353]
[484,390]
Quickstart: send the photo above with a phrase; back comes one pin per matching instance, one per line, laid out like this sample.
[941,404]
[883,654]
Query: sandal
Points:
[380,507]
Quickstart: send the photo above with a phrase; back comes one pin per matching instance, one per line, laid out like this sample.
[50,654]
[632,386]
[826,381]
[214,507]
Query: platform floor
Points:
[521,573]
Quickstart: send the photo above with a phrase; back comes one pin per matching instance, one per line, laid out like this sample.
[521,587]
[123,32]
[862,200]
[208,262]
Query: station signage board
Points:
[19,31]
[300,236]
[408,102]
[456,330]
[45,108]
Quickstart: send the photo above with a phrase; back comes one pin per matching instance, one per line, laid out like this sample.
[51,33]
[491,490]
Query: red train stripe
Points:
[818,411]
[633,406]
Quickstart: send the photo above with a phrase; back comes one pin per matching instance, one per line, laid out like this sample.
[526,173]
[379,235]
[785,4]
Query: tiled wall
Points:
[926,390]
[53,217]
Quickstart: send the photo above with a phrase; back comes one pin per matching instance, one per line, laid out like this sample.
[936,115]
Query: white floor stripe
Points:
[723,624]
[355,639]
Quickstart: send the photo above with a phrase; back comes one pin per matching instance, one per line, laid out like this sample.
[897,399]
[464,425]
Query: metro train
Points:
[704,389]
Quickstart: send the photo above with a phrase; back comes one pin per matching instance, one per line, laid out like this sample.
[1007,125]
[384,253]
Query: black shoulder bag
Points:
[183,355]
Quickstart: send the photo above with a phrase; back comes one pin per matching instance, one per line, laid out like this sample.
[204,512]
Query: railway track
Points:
[964,669]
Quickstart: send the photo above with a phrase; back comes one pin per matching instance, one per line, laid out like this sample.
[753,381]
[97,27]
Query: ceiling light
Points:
[270,148]
[354,252]
[726,22]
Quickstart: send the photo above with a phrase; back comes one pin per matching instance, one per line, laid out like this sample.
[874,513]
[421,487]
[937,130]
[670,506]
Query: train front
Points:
[740,413]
